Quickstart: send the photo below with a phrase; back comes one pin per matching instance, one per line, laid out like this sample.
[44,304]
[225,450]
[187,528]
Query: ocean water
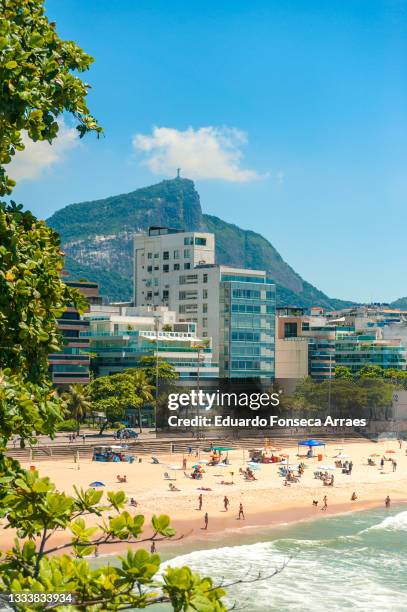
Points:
[355,561]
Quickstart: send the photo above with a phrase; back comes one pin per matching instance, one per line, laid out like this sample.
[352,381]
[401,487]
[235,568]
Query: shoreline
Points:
[268,504]
[191,536]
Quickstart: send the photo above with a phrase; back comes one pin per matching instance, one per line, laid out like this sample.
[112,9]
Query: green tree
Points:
[165,370]
[143,390]
[370,371]
[39,562]
[32,297]
[112,395]
[78,403]
[38,81]
[343,372]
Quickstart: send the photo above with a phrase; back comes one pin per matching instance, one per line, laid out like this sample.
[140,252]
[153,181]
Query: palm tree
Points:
[78,403]
[143,390]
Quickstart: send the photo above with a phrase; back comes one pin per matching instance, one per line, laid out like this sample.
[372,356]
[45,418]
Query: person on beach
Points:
[206,520]
[394,465]
[226,503]
[382,462]
[184,463]
[241,512]
[200,499]
[400,444]
[354,496]
[387,502]
[325,500]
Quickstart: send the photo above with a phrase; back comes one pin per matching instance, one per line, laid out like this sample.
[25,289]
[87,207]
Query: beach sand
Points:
[266,501]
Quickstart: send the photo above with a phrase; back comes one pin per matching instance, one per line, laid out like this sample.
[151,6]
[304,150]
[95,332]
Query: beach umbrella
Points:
[342,456]
[97,483]
[197,465]
[222,449]
[374,455]
[390,451]
[327,467]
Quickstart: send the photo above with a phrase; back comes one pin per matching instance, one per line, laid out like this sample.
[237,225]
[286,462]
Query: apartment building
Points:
[71,365]
[233,307]
[120,336]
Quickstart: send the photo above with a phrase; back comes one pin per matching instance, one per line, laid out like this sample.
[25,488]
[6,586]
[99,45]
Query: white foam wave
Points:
[398,522]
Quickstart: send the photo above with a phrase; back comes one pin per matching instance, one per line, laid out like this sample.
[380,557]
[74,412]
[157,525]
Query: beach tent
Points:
[311,443]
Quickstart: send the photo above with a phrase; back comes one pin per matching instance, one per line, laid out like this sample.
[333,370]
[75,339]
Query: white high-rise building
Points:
[232,306]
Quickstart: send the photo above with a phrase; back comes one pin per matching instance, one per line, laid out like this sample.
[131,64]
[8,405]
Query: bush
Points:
[68,425]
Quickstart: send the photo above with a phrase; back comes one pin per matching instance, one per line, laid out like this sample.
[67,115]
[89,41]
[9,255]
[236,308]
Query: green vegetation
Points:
[39,563]
[78,404]
[370,388]
[116,393]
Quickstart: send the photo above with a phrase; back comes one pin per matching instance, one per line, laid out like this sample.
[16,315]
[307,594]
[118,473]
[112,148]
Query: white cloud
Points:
[204,153]
[30,163]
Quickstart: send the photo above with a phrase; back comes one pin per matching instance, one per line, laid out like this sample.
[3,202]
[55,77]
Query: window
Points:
[149,295]
[200,241]
[176,266]
[176,254]
[156,293]
[166,254]
[149,256]
[204,307]
[204,322]
[188,295]
[165,294]
[156,282]
[166,268]
[205,278]
[187,253]
[204,334]
[205,294]
[290,330]
[188,240]
[189,279]
[149,268]
[156,255]
[187,266]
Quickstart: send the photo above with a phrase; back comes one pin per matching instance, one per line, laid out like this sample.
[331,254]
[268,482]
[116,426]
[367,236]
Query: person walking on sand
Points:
[387,502]
[382,462]
[226,503]
[241,512]
[325,500]
[206,520]
[400,443]
[394,465]
[200,499]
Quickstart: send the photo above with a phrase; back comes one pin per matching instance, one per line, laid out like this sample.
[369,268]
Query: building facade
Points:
[120,337]
[233,307]
[72,364]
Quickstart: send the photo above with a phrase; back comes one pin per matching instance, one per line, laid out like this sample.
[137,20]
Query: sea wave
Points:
[329,568]
[398,522]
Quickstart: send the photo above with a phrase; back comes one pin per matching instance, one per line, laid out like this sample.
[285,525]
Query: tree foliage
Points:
[32,297]
[39,563]
[38,81]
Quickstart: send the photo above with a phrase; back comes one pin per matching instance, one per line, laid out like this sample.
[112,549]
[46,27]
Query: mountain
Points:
[400,303]
[97,239]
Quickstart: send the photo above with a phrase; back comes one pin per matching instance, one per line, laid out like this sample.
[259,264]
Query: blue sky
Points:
[305,105]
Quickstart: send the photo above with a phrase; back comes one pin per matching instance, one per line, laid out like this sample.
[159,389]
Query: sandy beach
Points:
[266,501]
